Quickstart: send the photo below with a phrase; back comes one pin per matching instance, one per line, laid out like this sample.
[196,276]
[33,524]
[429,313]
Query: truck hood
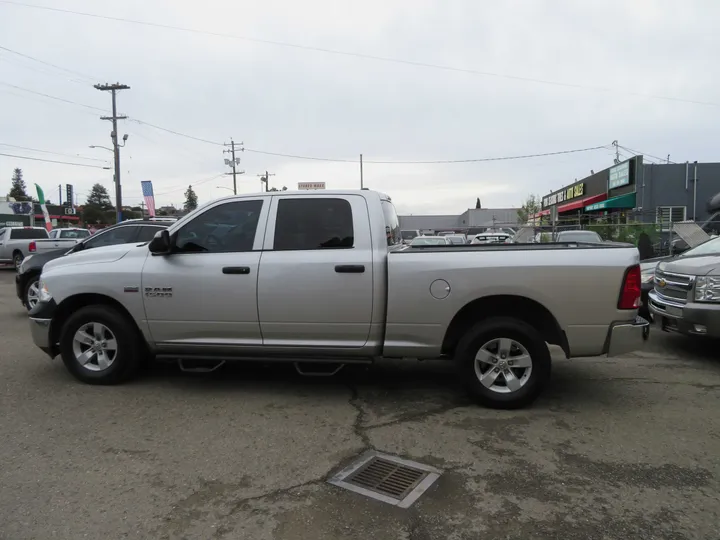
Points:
[106,254]
[694,266]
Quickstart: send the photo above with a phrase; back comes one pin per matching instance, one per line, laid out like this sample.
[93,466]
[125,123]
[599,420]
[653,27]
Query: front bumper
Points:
[626,337]
[692,318]
[40,327]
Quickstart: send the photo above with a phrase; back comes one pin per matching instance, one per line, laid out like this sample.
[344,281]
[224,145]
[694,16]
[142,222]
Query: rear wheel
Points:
[99,345]
[504,362]
[18,259]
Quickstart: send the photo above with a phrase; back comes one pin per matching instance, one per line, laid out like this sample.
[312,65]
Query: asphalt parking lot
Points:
[626,448]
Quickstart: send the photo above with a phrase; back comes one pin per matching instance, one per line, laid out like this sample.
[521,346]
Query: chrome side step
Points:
[200,369]
[333,370]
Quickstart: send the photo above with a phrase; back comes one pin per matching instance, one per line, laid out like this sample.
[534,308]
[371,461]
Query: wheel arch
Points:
[73,303]
[505,305]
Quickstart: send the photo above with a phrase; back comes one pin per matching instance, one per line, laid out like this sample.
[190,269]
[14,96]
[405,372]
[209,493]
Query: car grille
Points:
[674,286]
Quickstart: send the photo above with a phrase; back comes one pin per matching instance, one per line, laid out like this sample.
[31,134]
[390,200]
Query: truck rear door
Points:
[315,287]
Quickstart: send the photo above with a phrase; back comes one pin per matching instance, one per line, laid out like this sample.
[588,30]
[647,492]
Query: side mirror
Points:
[160,245]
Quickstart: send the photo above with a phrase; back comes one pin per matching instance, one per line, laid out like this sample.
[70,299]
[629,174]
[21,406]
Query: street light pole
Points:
[113,88]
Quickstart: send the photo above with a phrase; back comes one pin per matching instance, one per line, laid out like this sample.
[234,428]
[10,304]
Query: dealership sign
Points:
[565,194]
[311,185]
[619,175]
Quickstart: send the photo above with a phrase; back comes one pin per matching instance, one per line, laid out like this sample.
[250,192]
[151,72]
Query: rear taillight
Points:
[32,248]
[631,289]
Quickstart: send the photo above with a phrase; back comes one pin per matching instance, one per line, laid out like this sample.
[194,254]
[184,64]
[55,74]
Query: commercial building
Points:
[468,221]
[634,191]
[18,214]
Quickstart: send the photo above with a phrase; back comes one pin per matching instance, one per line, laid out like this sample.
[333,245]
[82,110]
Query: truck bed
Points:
[513,247]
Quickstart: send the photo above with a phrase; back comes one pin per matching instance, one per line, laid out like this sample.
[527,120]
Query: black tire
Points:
[129,354]
[518,331]
[17,259]
[31,280]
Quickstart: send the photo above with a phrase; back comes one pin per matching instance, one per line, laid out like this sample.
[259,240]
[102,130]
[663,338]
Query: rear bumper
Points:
[626,337]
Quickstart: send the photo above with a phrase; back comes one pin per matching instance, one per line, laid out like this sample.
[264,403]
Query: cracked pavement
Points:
[615,448]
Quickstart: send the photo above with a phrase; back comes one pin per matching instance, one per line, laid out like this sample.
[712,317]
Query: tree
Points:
[477,203]
[18,189]
[530,207]
[99,198]
[191,200]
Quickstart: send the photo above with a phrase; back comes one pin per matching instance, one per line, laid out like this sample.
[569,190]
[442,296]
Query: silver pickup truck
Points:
[59,239]
[323,277]
[15,242]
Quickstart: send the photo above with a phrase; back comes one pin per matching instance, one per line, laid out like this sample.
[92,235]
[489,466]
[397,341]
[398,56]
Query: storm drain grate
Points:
[390,479]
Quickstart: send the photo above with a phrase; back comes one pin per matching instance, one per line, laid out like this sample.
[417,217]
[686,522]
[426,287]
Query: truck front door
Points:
[315,288]
[203,295]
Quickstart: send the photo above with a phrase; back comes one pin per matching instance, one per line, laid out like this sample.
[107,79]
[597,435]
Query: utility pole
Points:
[113,88]
[234,162]
[142,209]
[617,152]
[361,173]
[264,179]
[60,194]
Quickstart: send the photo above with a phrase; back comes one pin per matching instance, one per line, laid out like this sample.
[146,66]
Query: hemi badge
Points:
[132,289]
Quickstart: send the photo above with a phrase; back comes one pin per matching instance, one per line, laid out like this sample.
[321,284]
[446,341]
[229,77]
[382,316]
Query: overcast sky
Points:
[608,55]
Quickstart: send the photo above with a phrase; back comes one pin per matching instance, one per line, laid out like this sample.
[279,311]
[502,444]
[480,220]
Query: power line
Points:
[386,59]
[173,132]
[54,161]
[54,153]
[637,152]
[52,97]
[203,181]
[432,162]
[88,77]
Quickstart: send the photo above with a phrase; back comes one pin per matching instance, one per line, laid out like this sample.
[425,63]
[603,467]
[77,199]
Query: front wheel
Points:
[504,362]
[32,293]
[99,345]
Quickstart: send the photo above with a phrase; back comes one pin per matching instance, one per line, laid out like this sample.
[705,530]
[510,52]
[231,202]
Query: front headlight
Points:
[43,294]
[21,269]
[707,289]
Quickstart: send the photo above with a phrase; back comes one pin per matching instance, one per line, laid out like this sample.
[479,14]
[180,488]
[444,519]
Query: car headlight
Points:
[707,289]
[44,294]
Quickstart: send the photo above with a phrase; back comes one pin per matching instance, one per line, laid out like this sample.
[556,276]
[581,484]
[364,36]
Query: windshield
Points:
[74,233]
[425,241]
[711,247]
[579,236]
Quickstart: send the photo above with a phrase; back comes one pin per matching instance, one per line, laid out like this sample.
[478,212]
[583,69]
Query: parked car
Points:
[408,235]
[26,280]
[59,239]
[457,239]
[430,241]
[322,277]
[579,236]
[684,295]
[491,238]
[14,243]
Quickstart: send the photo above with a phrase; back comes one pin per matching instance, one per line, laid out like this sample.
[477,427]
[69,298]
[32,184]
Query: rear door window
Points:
[112,237]
[307,224]
[147,233]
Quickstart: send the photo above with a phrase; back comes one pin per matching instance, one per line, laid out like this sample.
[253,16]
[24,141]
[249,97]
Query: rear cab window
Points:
[392,223]
[28,234]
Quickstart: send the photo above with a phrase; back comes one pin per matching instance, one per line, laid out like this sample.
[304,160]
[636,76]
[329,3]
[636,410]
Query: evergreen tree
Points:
[191,200]
[18,189]
[99,198]
[477,203]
